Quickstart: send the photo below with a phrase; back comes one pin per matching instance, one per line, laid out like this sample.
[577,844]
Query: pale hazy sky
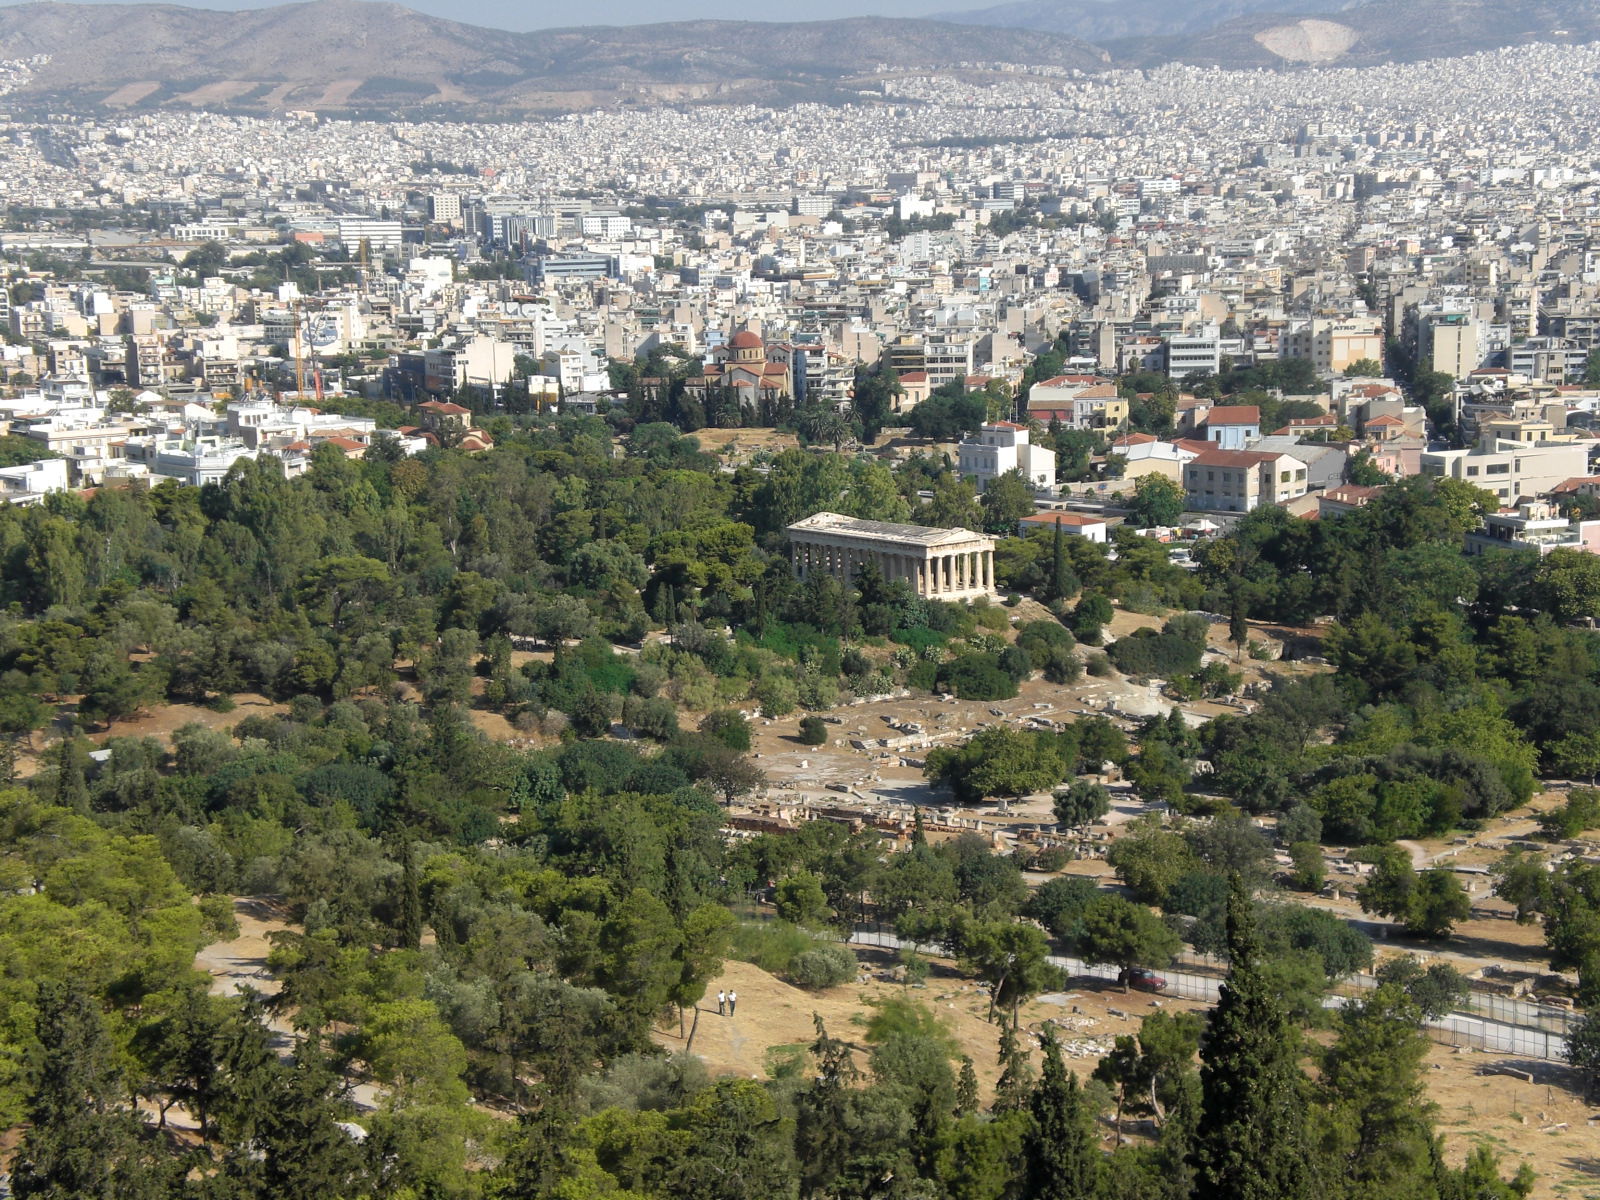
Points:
[542,14]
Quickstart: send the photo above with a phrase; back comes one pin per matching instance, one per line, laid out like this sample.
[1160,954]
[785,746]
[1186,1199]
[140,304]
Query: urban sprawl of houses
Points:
[1436,220]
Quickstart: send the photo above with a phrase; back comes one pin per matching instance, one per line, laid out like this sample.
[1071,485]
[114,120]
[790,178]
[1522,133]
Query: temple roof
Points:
[883,531]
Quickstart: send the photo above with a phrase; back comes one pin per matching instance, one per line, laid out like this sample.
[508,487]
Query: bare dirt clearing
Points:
[1544,1122]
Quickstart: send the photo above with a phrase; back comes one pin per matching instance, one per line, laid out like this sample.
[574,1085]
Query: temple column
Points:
[988,569]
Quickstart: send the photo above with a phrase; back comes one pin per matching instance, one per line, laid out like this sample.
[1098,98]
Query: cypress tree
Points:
[410,897]
[1062,1154]
[1058,573]
[1251,1140]
[822,1139]
[966,1088]
[1011,1089]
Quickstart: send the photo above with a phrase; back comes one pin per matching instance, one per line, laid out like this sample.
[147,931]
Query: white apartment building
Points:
[1002,447]
[1510,469]
[29,483]
[380,235]
[1198,353]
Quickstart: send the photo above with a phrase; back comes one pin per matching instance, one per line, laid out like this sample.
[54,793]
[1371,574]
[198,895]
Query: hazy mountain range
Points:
[357,57]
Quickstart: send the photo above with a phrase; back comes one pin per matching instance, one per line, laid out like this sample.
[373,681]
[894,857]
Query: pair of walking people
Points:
[726,1002]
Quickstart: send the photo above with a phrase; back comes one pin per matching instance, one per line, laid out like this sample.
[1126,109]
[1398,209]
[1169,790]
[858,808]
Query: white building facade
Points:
[1003,447]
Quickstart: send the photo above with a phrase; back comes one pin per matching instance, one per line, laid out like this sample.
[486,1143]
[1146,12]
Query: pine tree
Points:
[83,1142]
[967,1088]
[1379,1129]
[1251,1139]
[284,1139]
[1062,1154]
[1173,1154]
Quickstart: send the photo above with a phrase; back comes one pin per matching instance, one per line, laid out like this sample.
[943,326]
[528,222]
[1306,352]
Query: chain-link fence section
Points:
[1487,1021]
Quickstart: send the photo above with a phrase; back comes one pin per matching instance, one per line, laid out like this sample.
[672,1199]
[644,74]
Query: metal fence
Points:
[1528,1014]
[1494,1023]
[1458,1029]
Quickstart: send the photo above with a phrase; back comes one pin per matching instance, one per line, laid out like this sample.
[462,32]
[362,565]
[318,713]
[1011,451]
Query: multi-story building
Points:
[381,236]
[444,208]
[1535,525]
[1453,345]
[1331,346]
[1003,447]
[1077,402]
[1242,480]
[1232,426]
[1197,353]
[1509,469]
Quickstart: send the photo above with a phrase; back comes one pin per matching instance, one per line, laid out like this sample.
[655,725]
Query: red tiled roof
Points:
[1573,484]
[1234,414]
[1233,458]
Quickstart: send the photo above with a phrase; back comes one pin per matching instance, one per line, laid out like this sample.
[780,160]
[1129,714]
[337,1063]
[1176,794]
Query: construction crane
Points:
[298,307]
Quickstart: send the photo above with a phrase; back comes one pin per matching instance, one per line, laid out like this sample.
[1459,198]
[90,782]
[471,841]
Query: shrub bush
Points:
[823,966]
[977,677]
[771,945]
[813,731]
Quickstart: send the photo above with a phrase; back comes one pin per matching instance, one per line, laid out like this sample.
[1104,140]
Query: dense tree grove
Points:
[496,937]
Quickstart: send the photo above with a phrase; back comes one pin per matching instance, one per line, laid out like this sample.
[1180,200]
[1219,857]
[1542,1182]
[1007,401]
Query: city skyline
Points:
[519,17]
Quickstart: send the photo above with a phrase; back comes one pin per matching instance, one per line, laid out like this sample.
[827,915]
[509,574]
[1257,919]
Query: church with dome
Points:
[744,368]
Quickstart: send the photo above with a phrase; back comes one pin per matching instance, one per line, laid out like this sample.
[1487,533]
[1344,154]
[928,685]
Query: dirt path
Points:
[242,962]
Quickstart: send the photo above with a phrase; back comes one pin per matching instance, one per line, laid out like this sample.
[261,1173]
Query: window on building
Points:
[1472,472]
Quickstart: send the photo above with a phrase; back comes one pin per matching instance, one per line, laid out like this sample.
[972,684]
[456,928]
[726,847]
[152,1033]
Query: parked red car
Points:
[1143,980]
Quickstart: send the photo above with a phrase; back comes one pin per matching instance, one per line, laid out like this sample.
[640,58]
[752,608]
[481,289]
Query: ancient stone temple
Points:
[941,564]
